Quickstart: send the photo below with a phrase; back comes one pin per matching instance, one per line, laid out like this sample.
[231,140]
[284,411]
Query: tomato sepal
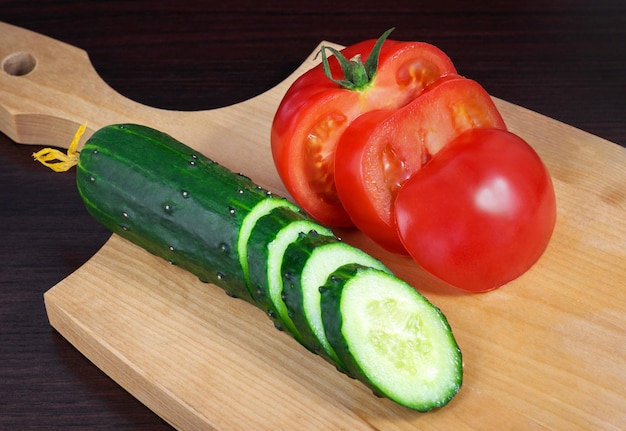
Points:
[357,75]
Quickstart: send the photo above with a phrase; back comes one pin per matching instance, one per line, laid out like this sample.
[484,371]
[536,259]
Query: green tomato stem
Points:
[356,75]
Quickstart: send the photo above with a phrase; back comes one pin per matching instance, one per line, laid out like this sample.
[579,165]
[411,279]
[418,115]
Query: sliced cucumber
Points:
[306,266]
[165,197]
[391,338]
[268,241]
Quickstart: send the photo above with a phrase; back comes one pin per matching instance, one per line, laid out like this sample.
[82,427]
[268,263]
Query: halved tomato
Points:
[381,149]
[316,111]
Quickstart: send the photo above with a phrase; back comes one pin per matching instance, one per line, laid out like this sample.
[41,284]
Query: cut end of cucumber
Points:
[394,340]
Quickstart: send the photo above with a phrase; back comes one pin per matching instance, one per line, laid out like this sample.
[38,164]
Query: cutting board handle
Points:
[49,88]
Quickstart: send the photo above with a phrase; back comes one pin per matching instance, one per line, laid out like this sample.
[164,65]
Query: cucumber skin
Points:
[331,297]
[167,198]
[331,302]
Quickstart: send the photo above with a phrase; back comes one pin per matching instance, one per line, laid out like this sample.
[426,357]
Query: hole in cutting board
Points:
[19,63]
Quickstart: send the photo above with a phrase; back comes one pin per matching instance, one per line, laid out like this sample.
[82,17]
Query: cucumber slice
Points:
[261,209]
[391,338]
[307,263]
[268,241]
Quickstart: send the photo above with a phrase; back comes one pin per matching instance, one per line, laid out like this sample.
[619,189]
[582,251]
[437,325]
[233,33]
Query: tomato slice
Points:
[382,149]
[316,111]
[480,213]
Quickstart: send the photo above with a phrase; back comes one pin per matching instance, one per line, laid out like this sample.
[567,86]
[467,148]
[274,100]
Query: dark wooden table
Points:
[564,59]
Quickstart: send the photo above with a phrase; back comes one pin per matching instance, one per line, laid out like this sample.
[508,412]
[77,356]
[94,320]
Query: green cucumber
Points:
[391,338]
[307,264]
[268,241]
[169,199]
[177,204]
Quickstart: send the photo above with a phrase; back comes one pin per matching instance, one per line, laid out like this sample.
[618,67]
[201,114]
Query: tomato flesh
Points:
[480,213]
[382,149]
[315,112]
[319,168]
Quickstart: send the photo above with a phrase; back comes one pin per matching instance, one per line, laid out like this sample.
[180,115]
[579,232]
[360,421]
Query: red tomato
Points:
[315,111]
[480,213]
[381,149]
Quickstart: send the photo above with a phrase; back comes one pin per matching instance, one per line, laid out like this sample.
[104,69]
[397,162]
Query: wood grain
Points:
[546,351]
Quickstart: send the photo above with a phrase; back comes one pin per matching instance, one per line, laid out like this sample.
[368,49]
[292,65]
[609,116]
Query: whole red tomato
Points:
[480,213]
[316,110]
[381,149]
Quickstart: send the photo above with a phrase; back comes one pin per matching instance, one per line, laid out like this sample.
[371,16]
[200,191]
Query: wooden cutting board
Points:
[546,351]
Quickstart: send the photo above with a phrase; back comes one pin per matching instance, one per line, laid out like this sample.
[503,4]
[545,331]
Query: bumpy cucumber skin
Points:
[333,322]
[167,198]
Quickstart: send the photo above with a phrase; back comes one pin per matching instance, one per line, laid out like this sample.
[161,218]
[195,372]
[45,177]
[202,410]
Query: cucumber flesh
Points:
[307,265]
[391,338]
